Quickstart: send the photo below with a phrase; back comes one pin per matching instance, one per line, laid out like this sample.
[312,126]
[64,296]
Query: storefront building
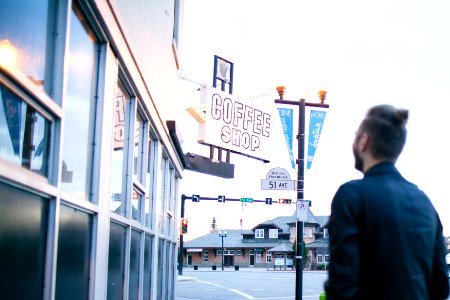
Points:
[89,172]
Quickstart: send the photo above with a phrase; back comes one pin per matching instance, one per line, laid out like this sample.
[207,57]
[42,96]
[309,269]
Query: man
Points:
[386,237]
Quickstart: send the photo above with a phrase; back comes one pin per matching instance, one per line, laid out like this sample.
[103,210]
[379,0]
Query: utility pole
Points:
[300,178]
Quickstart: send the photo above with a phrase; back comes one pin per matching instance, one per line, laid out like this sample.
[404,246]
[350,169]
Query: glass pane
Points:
[148,265]
[150,179]
[74,248]
[24,133]
[23,227]
[78,108]
[116,261]
[161,263]
[23,37]
[134,264]
[138,148]
[136,205]
[117,161]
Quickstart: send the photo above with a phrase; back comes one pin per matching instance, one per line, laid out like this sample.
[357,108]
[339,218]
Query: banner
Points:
[286,117]
[317,117]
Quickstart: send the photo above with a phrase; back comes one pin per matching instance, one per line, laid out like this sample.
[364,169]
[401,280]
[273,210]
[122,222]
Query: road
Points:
[247,283]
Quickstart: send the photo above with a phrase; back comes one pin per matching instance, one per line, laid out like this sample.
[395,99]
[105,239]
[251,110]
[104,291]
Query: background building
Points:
[269,244]
[89,169]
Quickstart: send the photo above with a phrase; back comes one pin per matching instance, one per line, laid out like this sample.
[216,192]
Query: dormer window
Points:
[259,233]
[273,233]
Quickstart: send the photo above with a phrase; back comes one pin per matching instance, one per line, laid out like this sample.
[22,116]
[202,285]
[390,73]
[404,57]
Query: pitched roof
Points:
[285,247]
[232,240]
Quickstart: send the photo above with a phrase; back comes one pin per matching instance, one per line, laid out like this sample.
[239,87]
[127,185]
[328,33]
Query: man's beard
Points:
[359,164]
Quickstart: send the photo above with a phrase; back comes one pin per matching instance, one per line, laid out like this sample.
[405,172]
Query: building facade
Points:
[89,169]
[269,244]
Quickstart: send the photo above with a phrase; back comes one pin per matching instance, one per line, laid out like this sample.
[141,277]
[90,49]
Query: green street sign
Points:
[247,200]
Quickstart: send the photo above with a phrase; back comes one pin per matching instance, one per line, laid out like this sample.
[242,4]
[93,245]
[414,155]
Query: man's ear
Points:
[363,142]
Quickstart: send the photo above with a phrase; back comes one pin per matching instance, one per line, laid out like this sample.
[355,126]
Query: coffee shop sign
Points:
[236,124]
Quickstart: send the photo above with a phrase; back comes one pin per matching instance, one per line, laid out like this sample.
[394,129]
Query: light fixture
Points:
[8,54]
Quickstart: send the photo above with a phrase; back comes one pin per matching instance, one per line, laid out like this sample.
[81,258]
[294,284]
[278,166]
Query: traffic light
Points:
[184,226]
[284,201]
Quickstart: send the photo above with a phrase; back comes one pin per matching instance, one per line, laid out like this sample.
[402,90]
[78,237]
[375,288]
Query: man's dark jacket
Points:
[386,241]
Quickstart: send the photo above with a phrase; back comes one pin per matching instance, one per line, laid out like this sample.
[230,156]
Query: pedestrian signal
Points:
[284,201]
[184,226]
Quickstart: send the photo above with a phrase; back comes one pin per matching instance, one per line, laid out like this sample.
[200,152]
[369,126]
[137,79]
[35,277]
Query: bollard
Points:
[323,296]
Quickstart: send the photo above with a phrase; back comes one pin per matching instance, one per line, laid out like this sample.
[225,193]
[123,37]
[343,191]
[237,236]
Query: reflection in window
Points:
[139,140]
[78,108]
[136,205]
[24,133]
[121,109]
[24,35]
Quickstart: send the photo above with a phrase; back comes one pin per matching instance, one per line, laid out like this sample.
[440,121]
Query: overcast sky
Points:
[363,53]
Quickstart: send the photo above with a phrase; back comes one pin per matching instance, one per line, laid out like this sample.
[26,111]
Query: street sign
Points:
[221,198]
[268,184]
[284,201]
[302,210]
[247,200]
[195,198]
[269,201]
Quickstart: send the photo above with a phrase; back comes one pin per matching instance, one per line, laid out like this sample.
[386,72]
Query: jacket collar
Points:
[382,168]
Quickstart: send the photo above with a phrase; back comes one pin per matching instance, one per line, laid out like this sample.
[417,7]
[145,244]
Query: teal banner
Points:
[286,117]
[316,119]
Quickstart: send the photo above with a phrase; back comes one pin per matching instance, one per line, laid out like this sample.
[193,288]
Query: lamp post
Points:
[222,235]
[300,177]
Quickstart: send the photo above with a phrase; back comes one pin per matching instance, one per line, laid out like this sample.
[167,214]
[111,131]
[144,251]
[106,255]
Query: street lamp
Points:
[222,235]
[300,177]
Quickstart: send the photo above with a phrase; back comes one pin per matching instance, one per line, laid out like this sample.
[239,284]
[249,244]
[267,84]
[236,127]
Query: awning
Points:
[194,250]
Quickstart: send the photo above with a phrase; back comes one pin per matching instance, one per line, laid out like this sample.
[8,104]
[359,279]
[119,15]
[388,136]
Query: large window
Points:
[116,261]
[121,109]
[24,133]
[150,181]
[74,254]
[25,41]
[79,108]
[23,224]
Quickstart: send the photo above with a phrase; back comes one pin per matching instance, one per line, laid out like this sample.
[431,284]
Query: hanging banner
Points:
[317,117]
[286,117]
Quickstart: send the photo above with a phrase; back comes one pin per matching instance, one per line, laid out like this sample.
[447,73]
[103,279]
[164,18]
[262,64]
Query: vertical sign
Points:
[317,117]
[286,117]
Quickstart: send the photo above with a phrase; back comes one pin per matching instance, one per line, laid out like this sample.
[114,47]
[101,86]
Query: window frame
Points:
[259,233]
[273,233]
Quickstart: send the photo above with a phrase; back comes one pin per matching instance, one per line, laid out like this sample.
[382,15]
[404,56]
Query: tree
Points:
[213,224]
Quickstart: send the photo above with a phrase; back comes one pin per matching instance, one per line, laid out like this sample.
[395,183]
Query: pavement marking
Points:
[241,293]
